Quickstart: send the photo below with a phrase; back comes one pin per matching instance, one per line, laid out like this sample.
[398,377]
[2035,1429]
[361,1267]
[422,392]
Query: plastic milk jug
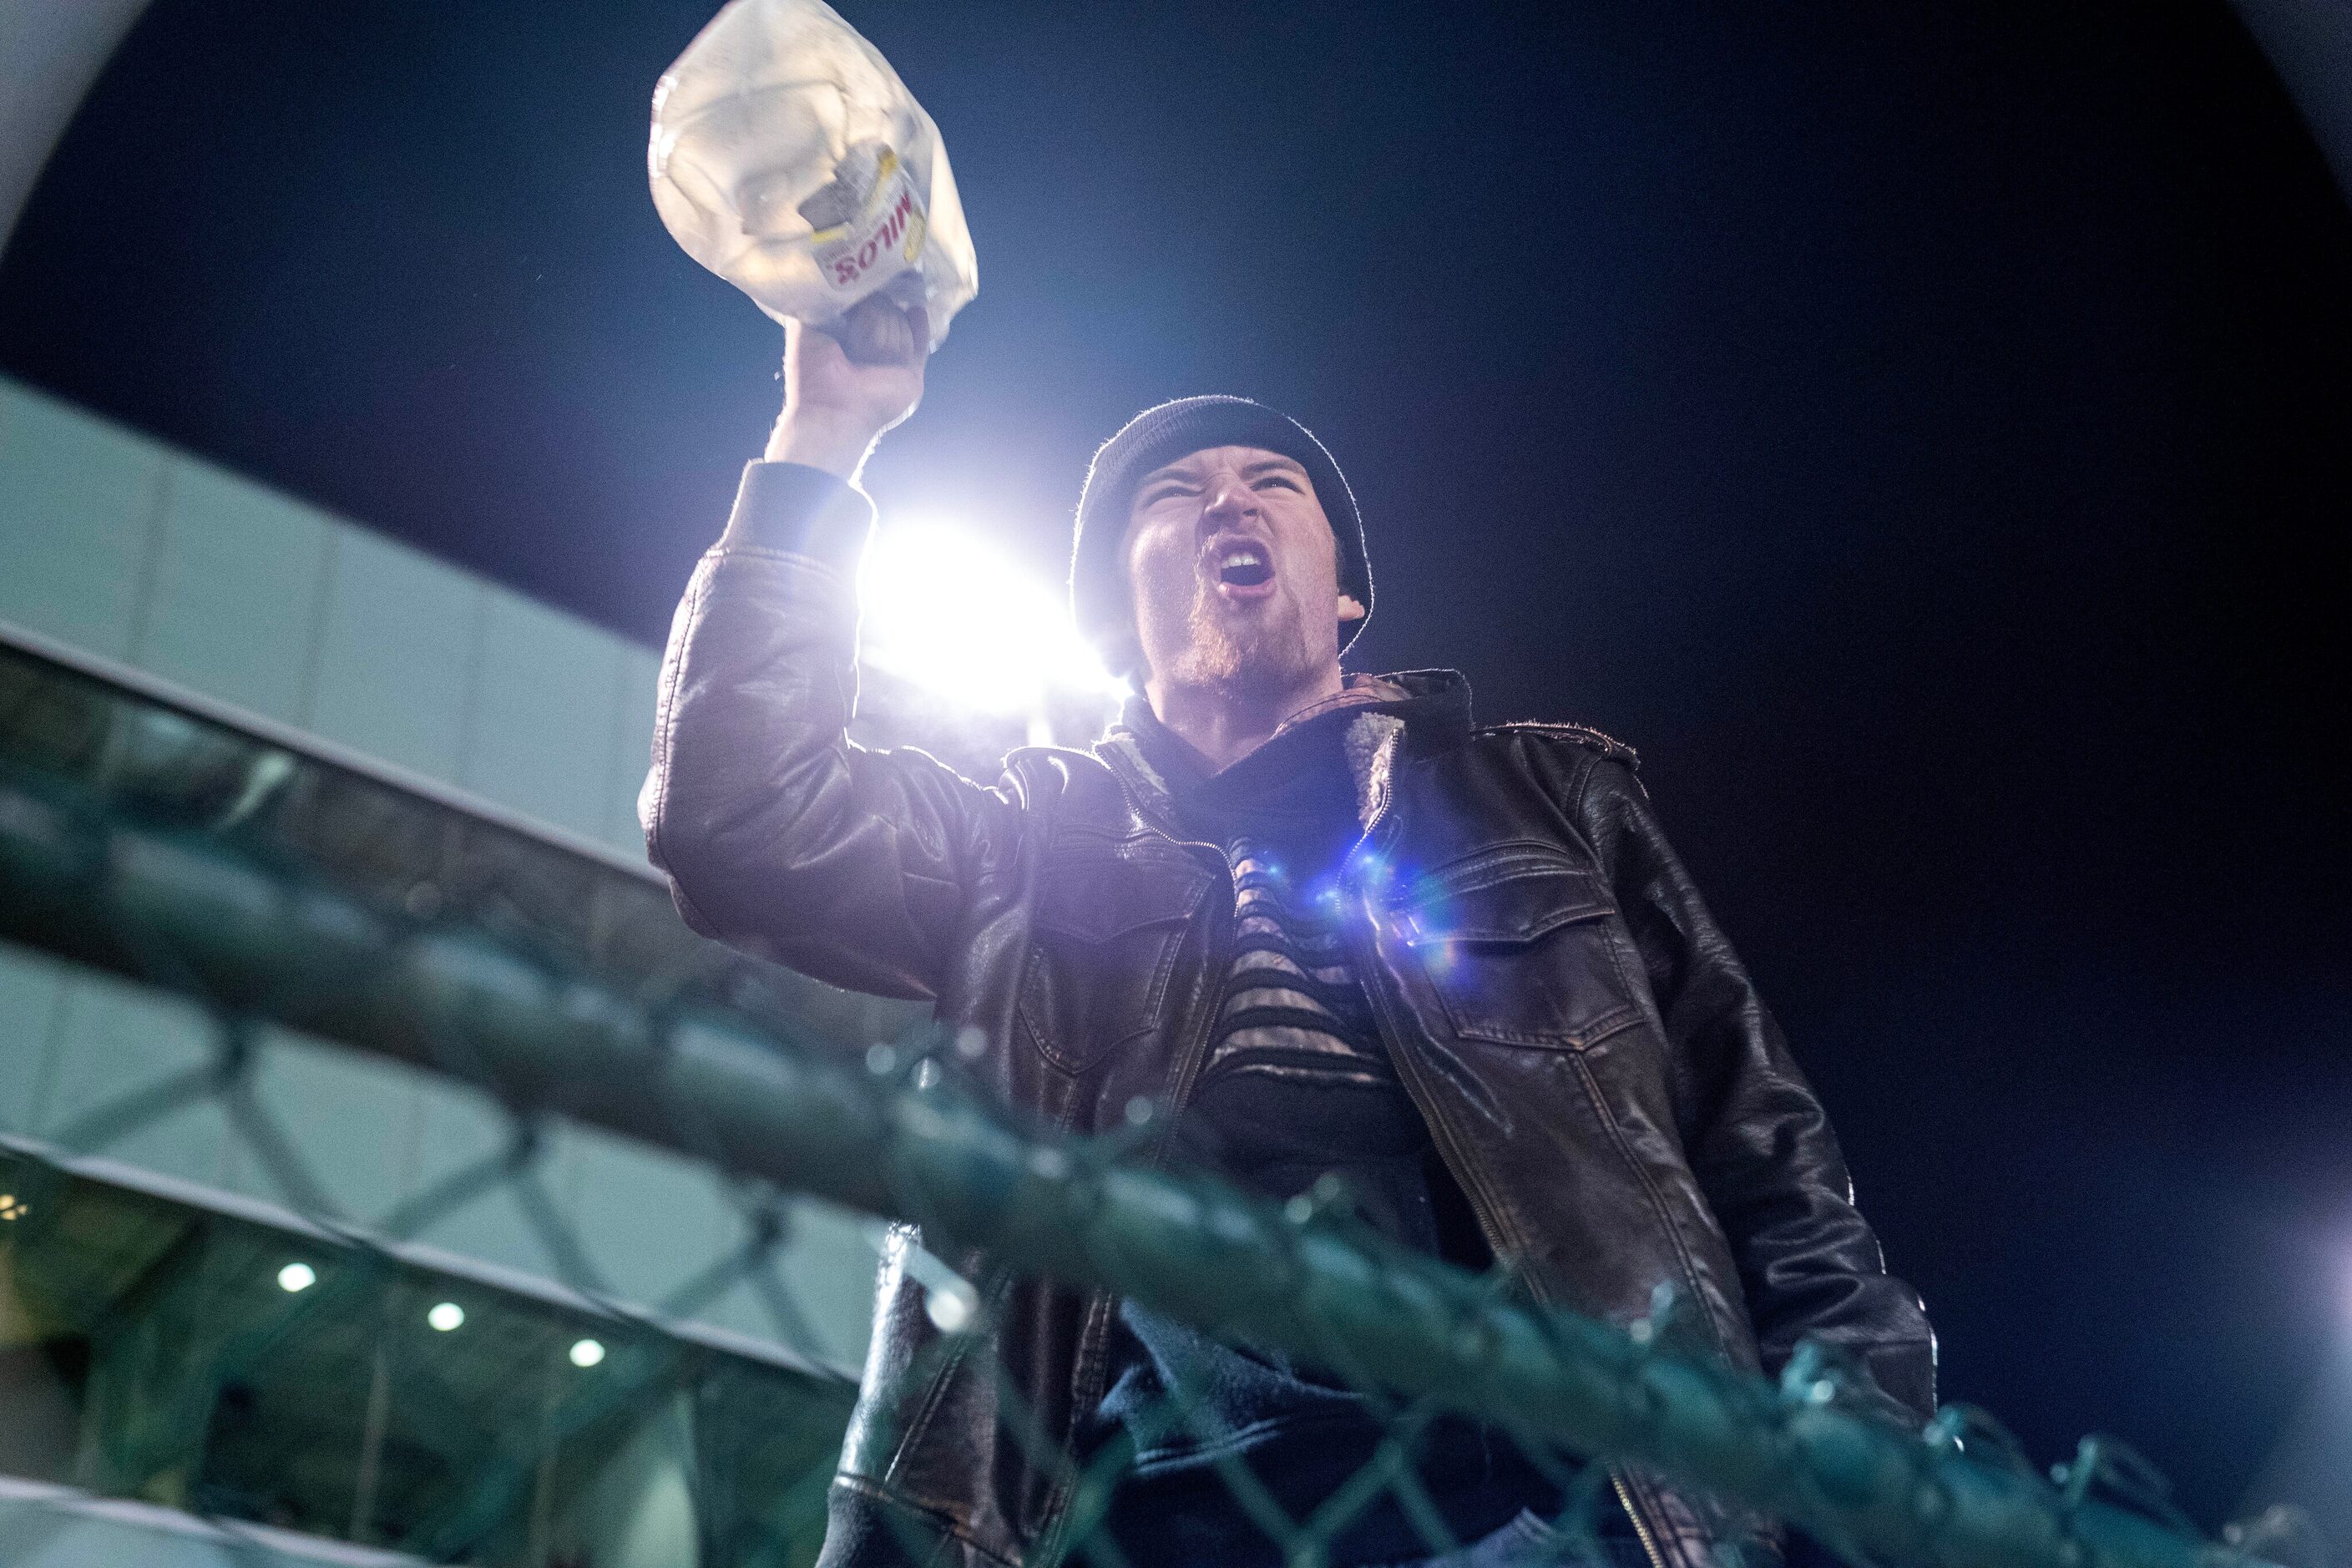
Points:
[789,158]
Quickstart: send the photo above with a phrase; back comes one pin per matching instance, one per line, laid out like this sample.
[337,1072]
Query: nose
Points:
[1229,501]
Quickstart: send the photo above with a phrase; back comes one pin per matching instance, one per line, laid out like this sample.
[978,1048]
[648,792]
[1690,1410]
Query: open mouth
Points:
[1243,566]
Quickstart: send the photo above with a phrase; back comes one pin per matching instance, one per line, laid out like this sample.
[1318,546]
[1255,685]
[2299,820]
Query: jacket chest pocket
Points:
[1103,947]
[1518,946]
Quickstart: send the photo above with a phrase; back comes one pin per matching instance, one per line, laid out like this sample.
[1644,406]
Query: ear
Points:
[1350,610]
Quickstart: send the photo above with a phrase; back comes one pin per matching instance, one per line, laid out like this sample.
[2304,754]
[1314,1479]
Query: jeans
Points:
[1528,1542]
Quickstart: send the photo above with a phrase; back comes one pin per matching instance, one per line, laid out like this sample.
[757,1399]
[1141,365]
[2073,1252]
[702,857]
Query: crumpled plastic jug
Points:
[789,158]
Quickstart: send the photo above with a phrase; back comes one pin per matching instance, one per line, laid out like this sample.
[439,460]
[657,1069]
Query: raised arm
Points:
[1754,1132]
[778,834]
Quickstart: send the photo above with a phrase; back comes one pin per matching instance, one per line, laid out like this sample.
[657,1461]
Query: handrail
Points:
[180,909]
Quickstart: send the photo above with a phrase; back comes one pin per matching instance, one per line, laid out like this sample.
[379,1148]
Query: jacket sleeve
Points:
[1753,1129]
[778,834]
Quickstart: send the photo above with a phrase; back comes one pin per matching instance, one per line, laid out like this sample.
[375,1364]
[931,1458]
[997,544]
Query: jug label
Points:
[887,235]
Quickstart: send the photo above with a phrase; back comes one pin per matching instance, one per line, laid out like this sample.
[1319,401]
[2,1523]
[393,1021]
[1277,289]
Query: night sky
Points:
[1925,434]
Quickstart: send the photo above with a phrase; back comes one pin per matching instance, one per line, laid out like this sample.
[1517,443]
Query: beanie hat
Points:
[1157,436]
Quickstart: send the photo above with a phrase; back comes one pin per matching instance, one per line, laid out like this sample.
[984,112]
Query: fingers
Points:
[877,332]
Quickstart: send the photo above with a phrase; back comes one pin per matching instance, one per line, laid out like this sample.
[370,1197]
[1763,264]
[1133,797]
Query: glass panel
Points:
[154,1350]
[397,652]
[78,500]
[117,1043]
[354,1121]
[651,1221]
[31,988]
[540,740]
[237,575]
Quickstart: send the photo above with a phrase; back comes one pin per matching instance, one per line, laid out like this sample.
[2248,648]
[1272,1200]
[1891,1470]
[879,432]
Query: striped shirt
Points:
[1293,1009]
[1297,1086]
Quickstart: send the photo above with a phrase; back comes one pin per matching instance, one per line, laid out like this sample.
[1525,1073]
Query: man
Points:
[1347,939]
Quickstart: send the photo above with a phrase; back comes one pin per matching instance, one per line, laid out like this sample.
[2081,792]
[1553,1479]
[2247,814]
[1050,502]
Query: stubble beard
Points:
[1254,658]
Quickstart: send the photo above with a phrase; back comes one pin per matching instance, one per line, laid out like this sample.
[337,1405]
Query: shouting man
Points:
[1324,930]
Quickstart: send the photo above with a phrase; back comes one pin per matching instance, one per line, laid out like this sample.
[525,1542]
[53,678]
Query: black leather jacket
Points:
[1593,1061]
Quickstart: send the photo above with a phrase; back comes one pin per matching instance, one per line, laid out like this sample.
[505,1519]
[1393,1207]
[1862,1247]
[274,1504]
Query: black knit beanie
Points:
[1157,436]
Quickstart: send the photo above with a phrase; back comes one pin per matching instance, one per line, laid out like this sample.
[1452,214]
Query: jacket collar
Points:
[1414,712]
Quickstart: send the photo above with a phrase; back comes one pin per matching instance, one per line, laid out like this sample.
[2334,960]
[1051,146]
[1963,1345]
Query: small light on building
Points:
[446,1316]
[10,1206]
[297,1277]
[586,1353]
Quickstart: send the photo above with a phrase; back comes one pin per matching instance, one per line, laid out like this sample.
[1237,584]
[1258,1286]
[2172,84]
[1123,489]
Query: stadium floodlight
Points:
[297,1277]
[948,611]
[446,1316]
[586,1353]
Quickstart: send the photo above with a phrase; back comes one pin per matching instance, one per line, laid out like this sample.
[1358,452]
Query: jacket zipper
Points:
[1188,1064]
[1365,942]
[1219,962]
[1640,1526]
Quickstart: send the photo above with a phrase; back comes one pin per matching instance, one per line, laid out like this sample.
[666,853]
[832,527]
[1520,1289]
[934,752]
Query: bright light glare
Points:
[446,1316]
[297,1277]
[949,1308]
[586,1353]
[948,611]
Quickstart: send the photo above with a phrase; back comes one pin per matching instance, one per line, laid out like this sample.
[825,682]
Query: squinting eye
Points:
[1285,480]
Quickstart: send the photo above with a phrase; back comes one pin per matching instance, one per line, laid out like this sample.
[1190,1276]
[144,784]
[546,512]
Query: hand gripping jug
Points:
[789,158]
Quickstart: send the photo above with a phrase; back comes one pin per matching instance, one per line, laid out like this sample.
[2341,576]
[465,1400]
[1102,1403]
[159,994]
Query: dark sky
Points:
[1924,433]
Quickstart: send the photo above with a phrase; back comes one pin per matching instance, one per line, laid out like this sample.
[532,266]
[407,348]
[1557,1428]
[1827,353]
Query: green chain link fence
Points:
[216,894]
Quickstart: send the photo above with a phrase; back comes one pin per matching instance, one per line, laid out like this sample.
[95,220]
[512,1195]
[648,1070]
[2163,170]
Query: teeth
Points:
[1242,558]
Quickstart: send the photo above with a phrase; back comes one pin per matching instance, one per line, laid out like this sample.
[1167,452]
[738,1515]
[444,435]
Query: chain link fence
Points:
[587,1432]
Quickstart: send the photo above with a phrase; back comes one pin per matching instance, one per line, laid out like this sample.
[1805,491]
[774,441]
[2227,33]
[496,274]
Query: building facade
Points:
[189,646]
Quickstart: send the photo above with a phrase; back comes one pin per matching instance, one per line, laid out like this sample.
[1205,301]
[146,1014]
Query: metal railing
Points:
[891,1131]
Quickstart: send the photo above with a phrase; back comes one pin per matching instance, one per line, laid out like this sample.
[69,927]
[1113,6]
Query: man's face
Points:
[1234,573]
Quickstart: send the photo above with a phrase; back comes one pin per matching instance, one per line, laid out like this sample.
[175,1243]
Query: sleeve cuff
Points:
[802,511]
